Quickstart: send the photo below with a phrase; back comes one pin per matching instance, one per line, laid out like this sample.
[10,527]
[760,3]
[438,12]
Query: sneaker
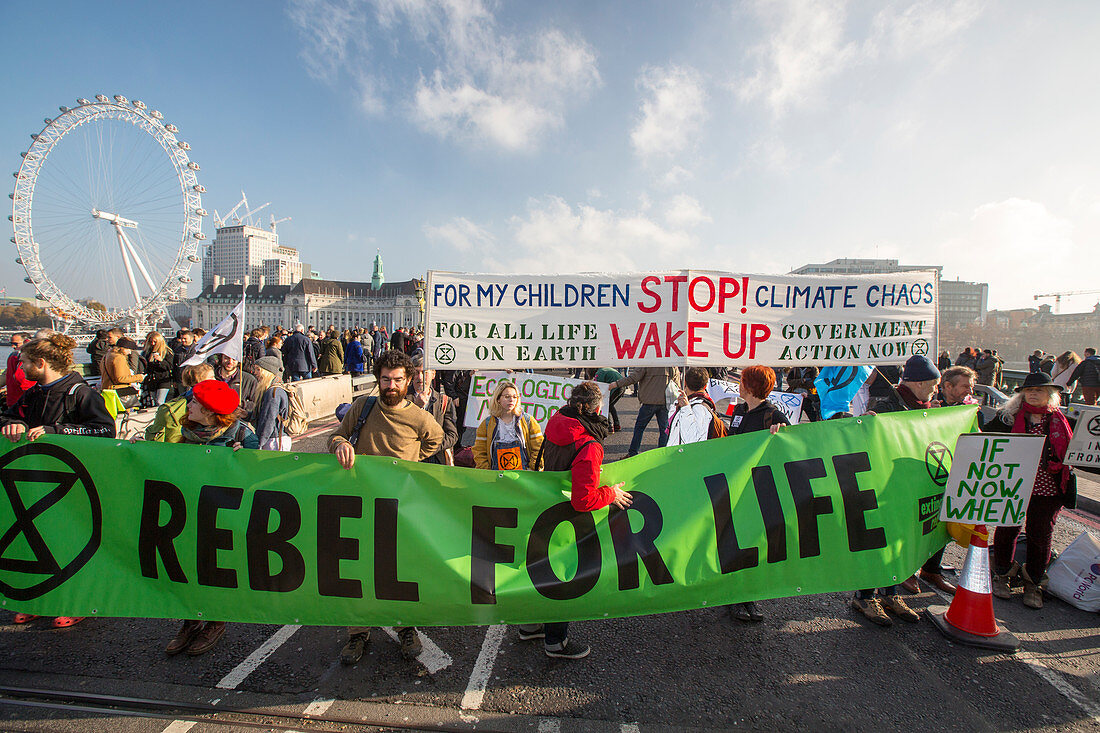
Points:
[746,611]
[410,642]
[535,631]
[62,622]
[353,650]
[207,638]
[184,637]
[872,609]
[1001,588]
[567,650]
[897,605]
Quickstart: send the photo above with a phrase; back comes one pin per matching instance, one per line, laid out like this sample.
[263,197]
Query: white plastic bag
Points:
[1075,575]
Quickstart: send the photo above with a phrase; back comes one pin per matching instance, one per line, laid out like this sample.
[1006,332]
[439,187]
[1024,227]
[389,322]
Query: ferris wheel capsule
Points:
[138,103]
[102,98]
[156,115]
[183,145]
[82,100]
[171,128]
[199,188]
[121,99]
[193,165]
[198,235]
[200,211]
[184,279]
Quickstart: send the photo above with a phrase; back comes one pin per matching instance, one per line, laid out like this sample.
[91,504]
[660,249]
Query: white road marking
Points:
[432,657]
[549,725]
[483,667]
[1036,664]
[318,707]
[238,674]
[629,728]
[179,726]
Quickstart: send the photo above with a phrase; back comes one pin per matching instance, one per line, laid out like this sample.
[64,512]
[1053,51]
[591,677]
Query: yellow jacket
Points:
[528,428]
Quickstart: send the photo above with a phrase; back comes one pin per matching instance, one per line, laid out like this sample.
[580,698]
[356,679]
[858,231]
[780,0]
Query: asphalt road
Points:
[810,665]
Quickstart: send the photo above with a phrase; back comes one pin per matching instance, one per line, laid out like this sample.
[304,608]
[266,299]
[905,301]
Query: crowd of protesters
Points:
[417,415]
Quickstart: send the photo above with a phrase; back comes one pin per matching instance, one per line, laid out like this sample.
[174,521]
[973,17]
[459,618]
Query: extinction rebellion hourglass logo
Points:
[51,520]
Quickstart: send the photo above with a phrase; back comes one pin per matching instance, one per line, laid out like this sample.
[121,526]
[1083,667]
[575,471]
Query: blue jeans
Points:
[645,414]
[296,376]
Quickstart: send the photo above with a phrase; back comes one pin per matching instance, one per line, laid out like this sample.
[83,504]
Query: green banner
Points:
[103,527]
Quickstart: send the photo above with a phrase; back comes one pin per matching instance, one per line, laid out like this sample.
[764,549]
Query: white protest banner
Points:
[678,318]
[1084,448]
[789,403]
[225,338]
[541,394]
[991,478]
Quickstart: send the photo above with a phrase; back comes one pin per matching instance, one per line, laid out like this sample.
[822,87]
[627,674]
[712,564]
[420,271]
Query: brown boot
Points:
[207,638]
[1033,594]
[185,636]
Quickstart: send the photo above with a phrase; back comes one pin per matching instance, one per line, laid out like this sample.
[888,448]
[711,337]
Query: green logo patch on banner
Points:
[101,527]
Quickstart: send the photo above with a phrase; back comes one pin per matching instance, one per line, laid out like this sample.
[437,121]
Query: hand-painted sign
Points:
[990,479]
[789,403]
[678,318]
[1084,448]
[541,394]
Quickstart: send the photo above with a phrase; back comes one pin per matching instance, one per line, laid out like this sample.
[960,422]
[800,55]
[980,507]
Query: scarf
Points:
[201,434]
[1058,433]
[910,399]
[594,424]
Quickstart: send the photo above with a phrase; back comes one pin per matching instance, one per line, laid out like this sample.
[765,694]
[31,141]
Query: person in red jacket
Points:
[14,378]
[574,441]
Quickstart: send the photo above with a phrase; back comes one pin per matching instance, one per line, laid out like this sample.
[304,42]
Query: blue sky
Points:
[576,136]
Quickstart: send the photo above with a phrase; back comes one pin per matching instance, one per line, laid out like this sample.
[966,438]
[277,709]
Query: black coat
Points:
[298,355]
[67,407]
[158,374]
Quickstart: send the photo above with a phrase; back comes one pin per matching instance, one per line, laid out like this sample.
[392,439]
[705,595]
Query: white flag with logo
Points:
[226,338]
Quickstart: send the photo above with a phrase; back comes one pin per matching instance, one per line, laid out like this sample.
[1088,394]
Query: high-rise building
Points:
[960,302]
[963,302]
[242,253]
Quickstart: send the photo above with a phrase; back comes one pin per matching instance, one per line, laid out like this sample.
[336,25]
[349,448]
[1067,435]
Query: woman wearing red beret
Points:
[213,417]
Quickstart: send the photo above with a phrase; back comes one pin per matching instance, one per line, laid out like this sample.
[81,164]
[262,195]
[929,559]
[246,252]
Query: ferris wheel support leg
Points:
[137,260]
[126,262]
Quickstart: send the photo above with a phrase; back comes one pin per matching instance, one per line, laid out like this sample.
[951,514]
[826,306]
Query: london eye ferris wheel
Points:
[107,213]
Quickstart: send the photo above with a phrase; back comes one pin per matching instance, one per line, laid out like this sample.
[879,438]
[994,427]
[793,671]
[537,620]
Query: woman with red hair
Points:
[755,413]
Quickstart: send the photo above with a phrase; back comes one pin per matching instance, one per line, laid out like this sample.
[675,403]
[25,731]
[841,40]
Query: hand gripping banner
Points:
[97,527]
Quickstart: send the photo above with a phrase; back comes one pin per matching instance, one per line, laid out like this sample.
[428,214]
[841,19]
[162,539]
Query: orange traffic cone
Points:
[970,618]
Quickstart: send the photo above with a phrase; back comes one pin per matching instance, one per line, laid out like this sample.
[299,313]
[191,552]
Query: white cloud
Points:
[673,111]
[555,236]
[685,211]
[1018,246]
[805,47]
[461,234]
[486,86]
[808,44]
[904,31]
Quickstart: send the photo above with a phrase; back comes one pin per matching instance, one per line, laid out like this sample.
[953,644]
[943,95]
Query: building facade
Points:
[963,302]
[243,253]
[317,303]
[960,302]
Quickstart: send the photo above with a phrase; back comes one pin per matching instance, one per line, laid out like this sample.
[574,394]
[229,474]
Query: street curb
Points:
[1088,504]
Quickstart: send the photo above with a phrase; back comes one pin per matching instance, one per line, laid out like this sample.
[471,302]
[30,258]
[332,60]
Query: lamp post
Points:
[419,286]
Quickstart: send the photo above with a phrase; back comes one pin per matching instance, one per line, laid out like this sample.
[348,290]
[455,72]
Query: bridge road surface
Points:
[812,664]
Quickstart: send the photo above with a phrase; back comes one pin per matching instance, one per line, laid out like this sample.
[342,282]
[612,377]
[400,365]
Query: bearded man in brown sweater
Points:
[388,425]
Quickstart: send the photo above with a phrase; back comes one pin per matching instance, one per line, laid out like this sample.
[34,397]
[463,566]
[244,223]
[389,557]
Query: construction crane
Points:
[275,221]
[1058,296]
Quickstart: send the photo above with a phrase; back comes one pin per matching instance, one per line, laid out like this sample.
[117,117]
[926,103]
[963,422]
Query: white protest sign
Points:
[677,318]
[991,479]
[541,394]
[789,403]
[1084,448]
